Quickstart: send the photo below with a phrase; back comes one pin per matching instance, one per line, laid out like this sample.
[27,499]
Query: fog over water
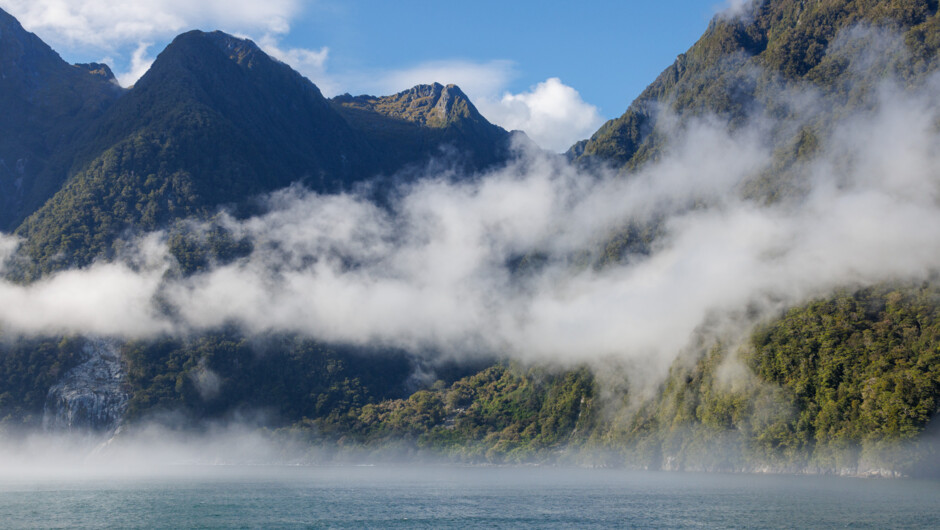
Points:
[449,497]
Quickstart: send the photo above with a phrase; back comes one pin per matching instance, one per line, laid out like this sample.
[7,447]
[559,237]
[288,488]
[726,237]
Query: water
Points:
[453,497]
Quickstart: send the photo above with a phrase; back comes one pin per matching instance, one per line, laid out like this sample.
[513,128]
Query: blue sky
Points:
[555,69]
[608,50]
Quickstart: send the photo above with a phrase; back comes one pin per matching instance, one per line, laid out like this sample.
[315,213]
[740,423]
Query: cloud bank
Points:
[508,262]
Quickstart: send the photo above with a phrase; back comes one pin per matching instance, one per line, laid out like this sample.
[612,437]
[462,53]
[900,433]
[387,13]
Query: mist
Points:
[509,262]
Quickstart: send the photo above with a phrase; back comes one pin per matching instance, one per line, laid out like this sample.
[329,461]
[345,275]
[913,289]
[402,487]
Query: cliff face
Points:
[90,398]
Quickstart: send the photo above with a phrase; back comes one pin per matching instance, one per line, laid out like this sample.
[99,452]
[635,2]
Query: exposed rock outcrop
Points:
[91,398]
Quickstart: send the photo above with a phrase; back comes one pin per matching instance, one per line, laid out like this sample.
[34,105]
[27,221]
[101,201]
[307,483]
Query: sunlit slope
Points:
[755,63]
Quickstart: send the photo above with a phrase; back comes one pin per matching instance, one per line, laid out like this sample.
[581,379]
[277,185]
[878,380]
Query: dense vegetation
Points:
[28,368]
[216,375]
[744,66]
[840,384]
[499,414]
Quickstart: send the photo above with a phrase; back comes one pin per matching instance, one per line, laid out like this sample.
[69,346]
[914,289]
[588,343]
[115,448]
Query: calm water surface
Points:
[454,497]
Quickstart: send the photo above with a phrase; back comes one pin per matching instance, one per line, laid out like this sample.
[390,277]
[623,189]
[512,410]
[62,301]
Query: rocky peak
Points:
[98,69]
[433,105]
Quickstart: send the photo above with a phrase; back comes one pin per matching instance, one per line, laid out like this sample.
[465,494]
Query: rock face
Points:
[91,398]
[432,105]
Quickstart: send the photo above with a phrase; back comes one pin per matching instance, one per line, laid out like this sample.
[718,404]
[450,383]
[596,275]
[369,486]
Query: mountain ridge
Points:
[214,122]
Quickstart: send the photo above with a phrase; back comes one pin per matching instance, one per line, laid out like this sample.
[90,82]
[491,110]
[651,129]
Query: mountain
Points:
[743,66]
[46,103]
[845,384]
[216,121]
[848,383]
[213,123]
[418,119]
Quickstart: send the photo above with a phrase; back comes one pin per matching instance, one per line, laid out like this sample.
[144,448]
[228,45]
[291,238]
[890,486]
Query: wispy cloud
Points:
[140,63]
[736,8]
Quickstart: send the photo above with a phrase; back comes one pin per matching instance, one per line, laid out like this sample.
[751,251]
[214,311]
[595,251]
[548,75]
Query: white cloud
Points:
[310,63]
[551,113]
[735,8]
[109,23]
[432,272]
[116,27]
[140,63]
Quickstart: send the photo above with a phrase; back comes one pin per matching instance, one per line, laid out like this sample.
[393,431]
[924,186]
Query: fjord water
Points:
[455,497]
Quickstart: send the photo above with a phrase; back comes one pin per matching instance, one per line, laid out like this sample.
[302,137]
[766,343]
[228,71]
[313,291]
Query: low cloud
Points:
[505,263]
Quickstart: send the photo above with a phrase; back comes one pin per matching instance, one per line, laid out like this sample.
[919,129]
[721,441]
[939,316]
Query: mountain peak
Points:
[242,51]
[98,69]
[9,23]
[433,105]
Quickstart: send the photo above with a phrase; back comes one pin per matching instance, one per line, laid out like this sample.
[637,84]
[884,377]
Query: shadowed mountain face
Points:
[215,121]
[44,104]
